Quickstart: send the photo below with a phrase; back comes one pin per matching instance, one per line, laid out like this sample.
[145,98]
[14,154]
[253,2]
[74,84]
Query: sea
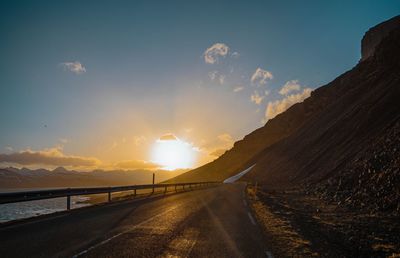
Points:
[21,210]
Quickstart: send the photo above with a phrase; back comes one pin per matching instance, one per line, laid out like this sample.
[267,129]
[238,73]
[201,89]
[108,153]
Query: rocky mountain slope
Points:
[364,107]
[334,137]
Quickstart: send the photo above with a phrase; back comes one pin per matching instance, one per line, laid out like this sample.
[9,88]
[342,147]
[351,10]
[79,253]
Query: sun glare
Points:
[173,154]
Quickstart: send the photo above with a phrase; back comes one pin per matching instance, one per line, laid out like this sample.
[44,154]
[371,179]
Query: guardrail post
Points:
[175,188]
[153,181]
[183,187]
[109,195]
[134,193]
[68,202]
[165,189]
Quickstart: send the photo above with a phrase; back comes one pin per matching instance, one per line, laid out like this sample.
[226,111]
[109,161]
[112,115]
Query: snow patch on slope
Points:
[237,176]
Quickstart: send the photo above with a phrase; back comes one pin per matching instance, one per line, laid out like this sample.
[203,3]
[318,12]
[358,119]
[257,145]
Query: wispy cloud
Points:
[261,76]
[290,86]
[216,51]
[235,54]
[276,107]
[226,139]
[216,76]
[238,88]
[74,67]
[50,157]
[256,98]
[217,153]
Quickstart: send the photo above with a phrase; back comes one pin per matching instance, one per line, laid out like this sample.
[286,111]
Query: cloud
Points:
[75,67]
[168,137]
[238,88]
[136,164]
[226,138]
[213,53]
[217,76]
[279,106]
[215,148]
[218,152]
[256,98]
[51,157]
[261,76]
[290,86]
[235,54]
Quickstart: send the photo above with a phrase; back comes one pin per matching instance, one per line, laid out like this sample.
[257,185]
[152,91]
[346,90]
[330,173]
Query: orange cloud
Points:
[50,157]
[260,76]
[218,152]
[168,137]
[213,53]
[279,106]
[256,98]
[290,86]
[226,138]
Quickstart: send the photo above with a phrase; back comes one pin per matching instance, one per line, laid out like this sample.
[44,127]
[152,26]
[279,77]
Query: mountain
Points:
[61,177]
[338,136]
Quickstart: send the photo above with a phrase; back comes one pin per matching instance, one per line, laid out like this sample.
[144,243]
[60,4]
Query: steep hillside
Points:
[314,139]
[366,107]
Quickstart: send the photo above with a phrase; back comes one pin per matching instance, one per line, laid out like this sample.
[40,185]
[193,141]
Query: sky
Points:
[100,84]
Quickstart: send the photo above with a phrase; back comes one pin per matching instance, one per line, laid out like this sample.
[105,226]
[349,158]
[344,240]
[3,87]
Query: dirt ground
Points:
[300,225]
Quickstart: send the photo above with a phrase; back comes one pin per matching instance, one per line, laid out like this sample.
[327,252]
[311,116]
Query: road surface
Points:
[212,222]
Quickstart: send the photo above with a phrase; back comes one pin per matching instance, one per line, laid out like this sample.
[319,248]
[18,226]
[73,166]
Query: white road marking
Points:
[269,254]
[251,218]
[237,176]
[119,234]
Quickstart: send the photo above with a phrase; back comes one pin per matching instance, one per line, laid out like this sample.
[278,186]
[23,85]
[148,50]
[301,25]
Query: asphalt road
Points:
[213,222]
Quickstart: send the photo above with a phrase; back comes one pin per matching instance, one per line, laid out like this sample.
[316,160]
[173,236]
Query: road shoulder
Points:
[302,225]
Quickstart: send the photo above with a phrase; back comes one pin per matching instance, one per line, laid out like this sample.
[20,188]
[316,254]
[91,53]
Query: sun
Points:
[172,153]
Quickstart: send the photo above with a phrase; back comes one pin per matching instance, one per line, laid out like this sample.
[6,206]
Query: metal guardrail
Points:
[13,197]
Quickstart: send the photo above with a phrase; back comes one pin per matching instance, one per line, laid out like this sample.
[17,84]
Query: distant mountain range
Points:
[343,141]
[61,177]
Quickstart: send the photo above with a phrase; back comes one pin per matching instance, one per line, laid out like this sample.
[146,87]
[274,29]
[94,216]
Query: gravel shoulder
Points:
[302,225]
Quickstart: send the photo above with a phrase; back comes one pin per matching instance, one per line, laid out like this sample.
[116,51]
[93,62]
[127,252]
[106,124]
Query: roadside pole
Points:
[154,177]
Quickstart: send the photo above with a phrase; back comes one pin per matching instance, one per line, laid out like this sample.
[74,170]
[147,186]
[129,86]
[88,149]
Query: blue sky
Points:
[142,71]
